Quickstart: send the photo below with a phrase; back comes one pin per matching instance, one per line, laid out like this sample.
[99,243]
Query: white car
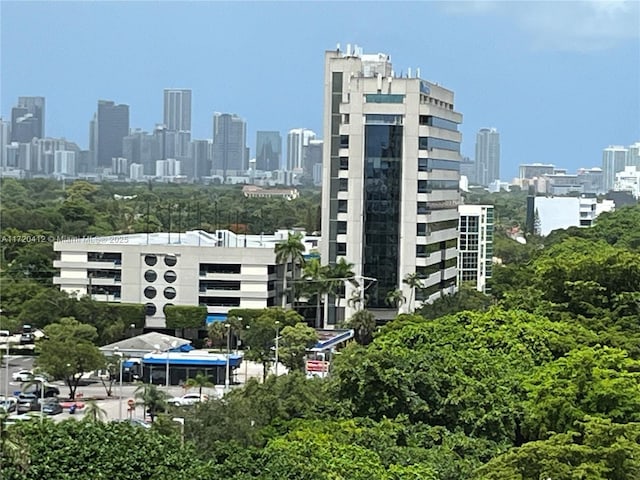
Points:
[22,376]
[188,399]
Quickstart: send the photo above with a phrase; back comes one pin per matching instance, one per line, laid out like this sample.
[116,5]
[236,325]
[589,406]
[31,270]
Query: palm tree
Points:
[93,412]
[200,381]
[395,298]
[13,448]
[151,398]
[338,273]
[289,251]
[317,283]
[413,281]
[363,324]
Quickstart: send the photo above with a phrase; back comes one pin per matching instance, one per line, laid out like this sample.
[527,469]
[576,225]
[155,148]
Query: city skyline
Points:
[521,73]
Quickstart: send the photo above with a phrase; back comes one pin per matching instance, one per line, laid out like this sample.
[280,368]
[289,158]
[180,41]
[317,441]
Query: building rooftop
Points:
[198,238]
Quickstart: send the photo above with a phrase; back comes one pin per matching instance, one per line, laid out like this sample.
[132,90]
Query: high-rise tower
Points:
[177,119]
[177,109]
[268,151]
[27,119]
[230,154]
[390,182]
[108,128]
[487,156]
[297,142]
[614,159]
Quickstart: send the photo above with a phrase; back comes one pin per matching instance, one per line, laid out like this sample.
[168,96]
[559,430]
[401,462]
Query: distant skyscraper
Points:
[110,126]
[487,156]
[297,141]
[614,159]
[5,139]
[633,155]
[201,160]
[312,157]
[27,119]
[177,119]
[268,151]
[230,153]
[177,109]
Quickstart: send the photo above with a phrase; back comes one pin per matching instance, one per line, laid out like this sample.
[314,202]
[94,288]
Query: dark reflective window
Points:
[169,293]
[150,276]
[149,309]
[427,143]
[170,276]
[150,260]
[150,292]
[342,206]
[438,122]
[170,260]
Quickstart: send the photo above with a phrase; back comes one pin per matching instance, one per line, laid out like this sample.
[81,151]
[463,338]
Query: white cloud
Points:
[564,25]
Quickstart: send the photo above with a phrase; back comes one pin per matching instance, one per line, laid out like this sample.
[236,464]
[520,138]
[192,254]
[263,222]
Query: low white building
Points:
[475,245]
[220,270]
[628,181]
[552,213]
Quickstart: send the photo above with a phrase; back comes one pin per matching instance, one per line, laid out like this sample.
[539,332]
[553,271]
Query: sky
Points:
[559,80]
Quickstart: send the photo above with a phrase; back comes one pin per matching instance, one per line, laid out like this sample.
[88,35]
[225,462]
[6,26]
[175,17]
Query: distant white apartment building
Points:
[136,172]
[628,181]
[64,163]
[475,245]
[167,168]
[552,213]
[220,270]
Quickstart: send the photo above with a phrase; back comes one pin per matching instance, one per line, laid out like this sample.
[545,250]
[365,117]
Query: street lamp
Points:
[118,353]
[226,378]
[277,339]
[244,359]
[173,345]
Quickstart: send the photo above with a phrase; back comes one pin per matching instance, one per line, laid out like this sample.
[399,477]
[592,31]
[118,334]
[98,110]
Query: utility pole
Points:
[277,340]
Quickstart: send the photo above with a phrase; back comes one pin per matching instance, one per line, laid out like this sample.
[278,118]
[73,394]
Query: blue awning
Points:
[216,317]
[234,361]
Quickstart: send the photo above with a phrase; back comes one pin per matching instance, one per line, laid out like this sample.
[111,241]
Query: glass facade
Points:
[383,98]
[438,122]
[428,164]
[427,143]
[382,176]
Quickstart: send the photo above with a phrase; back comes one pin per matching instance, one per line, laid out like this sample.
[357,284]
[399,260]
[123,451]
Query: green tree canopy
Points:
[68,351]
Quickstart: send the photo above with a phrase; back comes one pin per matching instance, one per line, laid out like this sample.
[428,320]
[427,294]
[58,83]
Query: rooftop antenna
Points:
[348,49]
[409,72]
[418,72]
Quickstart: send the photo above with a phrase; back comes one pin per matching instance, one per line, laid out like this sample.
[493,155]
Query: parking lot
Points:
[116,406]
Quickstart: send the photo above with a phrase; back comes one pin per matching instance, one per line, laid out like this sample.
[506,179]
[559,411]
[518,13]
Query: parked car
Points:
[9,404]
[188,399]
[27,338]
[52,406]
[50,391]
[22,376]
[27,402]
